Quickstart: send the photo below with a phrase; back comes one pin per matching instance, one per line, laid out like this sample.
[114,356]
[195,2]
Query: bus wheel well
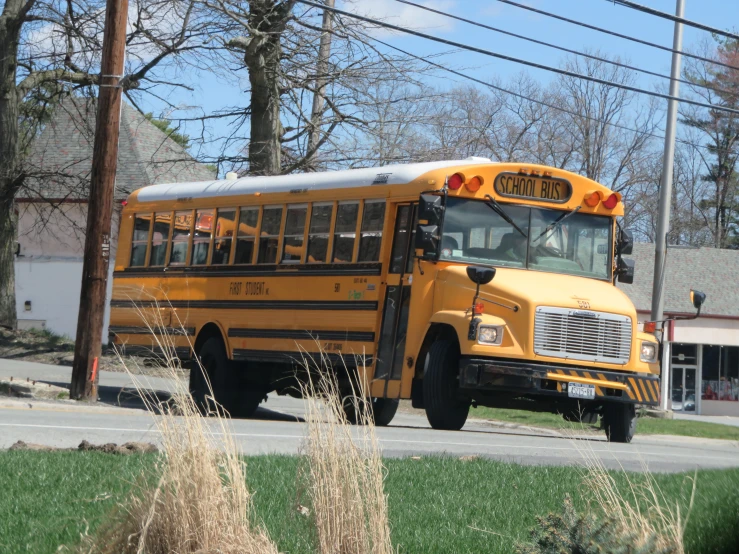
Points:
[208,330]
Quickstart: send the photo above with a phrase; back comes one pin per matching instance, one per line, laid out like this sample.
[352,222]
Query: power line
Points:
[518,60]
[528,98]
[561,48]
[676,19]
[619,35]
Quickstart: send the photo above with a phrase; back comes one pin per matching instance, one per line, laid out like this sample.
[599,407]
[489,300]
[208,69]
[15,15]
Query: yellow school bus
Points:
[453,283]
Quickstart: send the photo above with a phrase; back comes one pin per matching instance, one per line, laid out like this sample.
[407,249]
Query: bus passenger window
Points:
[269,235]
[370,238]
[180,237]
[345,232]
[201,240]
[225,224]
[320,226]
[140,239]
[248,219]
[294,237]
[159,239]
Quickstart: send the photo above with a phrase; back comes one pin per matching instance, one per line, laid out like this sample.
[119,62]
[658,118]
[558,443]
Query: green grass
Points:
[645,425]
[48,499]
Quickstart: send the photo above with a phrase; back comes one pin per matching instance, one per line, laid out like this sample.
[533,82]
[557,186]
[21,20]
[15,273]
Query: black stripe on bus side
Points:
[143,330]
[358,336]
[242,354]
[251,304]
[271,270]
[182,352]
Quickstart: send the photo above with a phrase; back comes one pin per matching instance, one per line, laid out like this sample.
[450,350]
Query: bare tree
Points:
[48,48]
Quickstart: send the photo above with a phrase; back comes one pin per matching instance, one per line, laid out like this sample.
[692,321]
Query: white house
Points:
[52,207]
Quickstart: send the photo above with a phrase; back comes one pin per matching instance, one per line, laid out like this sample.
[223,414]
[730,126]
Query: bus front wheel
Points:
[444,407]
[619,421]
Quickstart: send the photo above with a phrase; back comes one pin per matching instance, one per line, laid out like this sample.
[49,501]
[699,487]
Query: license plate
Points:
[578,390]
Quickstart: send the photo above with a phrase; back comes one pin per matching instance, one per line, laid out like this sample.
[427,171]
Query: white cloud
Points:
[404,15]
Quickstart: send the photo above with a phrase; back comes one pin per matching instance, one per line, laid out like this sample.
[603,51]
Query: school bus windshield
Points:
[539,239]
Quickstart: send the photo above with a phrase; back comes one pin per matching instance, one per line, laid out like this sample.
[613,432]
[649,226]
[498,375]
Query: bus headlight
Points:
[490,334]
[648,352]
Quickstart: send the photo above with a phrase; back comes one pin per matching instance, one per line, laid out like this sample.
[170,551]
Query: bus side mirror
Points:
[697,298]
[480,275]
[428,231]
[625,271]
[625,242]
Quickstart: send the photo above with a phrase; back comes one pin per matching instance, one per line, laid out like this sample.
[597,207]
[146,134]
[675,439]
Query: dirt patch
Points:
[109,448]
[47,348]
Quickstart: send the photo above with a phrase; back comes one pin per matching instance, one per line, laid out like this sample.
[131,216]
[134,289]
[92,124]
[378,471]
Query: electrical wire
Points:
[518,60]
[676,19]
[561,48]
[619,35]
[529,99]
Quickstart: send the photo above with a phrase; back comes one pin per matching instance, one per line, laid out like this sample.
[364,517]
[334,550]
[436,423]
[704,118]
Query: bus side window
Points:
[140,239]
[180,237]
[225,223]
[269,235]
[159,239]
[201,240]
[345,232]
[294,236]
[248,221]
[370,238]
[318,233]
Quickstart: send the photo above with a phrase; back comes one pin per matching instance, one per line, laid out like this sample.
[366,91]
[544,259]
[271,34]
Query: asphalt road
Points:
[277,429]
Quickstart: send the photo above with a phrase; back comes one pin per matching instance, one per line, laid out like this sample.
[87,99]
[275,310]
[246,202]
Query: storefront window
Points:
[720,373]
[684,354]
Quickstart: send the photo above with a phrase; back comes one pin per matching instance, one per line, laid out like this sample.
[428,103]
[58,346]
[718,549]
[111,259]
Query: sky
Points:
[212,93]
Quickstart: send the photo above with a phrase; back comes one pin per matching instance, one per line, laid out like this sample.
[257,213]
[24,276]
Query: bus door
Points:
[391,348]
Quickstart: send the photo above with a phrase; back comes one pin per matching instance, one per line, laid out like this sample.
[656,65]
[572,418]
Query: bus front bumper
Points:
[486,374]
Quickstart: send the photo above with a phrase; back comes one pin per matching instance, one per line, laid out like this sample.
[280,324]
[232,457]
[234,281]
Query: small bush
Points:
[573,533]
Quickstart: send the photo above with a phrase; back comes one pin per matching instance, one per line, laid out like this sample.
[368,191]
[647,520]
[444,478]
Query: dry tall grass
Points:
[643,513]
[344,470]
[199,501]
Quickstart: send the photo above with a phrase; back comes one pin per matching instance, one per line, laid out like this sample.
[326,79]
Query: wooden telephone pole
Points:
[100,207]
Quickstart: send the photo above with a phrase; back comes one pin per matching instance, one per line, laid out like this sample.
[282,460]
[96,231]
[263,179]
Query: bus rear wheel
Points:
[236,398]
[444,407]
[619,421]
[383,410]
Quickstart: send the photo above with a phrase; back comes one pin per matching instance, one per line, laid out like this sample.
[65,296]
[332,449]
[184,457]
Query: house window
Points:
[345,232]
[201,239]
[269,235]
[294,236]
[370,238]
[141,224]
[160,239]
[225,227]
[248,221]
[318,234]
[180,237]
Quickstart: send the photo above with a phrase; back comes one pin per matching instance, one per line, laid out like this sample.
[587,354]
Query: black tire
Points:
[383,410]
[619,422]
[444,408]
[232,394]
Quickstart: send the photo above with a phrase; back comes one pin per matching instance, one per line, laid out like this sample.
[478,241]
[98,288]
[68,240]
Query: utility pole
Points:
[665,201]
[100,206]
[324,52]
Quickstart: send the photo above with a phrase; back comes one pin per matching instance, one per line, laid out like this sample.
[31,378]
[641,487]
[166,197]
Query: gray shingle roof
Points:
[713,271]
[60,160]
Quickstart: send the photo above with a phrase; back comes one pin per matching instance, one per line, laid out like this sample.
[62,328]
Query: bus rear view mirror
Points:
[431,209]
[427,240]
[625,242]
[697,298]
[625,271]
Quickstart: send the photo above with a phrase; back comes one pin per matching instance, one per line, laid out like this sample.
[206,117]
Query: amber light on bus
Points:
[592,199]
[474,184]
[650,326]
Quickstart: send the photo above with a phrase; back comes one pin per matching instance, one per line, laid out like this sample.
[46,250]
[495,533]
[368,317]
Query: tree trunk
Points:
[10,177]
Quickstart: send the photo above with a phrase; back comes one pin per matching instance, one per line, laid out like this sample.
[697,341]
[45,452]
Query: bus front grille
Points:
[582,335]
